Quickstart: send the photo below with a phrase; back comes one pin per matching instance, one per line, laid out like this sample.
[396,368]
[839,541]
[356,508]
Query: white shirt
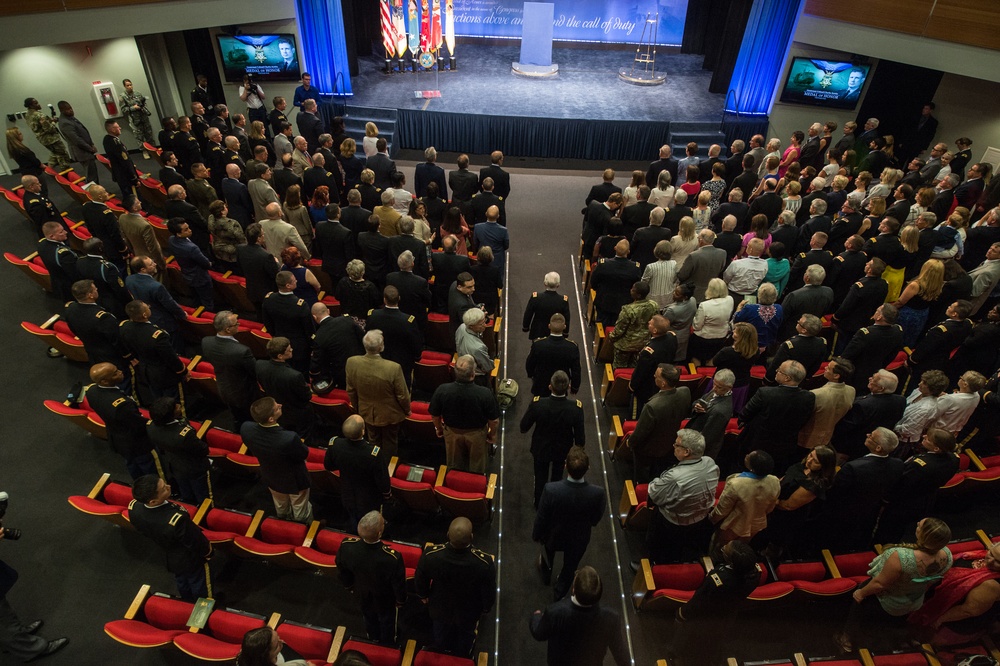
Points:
[954,409]
[744,275]
[921,410]
[253,101]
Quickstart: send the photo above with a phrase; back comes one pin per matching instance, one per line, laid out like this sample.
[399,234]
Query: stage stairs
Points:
[704,133]
[385,119]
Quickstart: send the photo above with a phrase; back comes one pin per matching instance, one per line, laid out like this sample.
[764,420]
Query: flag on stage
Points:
[449,26]
[413,28]
[388,30]
[425,25]
[436,25]
[399,25]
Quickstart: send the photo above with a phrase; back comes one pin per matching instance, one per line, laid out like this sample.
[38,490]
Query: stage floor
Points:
[587,87]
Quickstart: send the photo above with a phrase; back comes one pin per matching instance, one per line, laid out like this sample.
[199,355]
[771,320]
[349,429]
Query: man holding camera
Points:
[133,107]
[17,638]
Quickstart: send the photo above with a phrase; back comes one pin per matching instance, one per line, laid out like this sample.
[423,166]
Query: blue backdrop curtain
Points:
[321,29]
[762,57]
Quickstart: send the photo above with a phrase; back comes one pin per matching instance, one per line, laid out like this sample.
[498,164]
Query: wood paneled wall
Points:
[972,22]
[12,8]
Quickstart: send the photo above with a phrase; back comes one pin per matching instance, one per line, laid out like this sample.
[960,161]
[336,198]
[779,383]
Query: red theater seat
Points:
[223,638]
[160,620]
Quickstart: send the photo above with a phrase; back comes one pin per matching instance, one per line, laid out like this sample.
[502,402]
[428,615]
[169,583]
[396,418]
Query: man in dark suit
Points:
[102,224]
[933,351]
[813,298]
[166,313]
[501,179]
[813,220]
[333,244]
[809,154]
[672,218]
[771,420]
[636,216]
[746,181]
[578,630]
[429,172]
[703,264]
[288,386]
[178,206]
[734,206]
[168,173]
[364,473]
[414,294]
[482,201]
[596,219]
[336,340]
[193,263]
[945,197]
[903,200]
[258,266]
[403,340]
[644,241]
[855,500]
[734,163]
[656,430]
[605,189]
[463,183]
[354,216]
[286,315]
[705,166]
[612,281]
[310,125]
[447,266]
[550,354]
[874,347]
[768,203]
[787,233]
[381,165]
[664,163]
[921,135]
[882,408]
[237,196]
[558,424]
[406,241]
[282,457]
[234,366]
[567,511]
[729,240]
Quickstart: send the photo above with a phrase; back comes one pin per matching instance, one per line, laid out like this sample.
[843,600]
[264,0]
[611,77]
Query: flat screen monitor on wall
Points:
[268,57]
[830,83]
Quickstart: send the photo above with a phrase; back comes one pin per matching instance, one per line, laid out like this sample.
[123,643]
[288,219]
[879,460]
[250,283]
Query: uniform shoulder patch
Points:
[942,327]
[788,343]
[579,404]
[920,461]
[174,519]
[269,294]
[534,294]
[838,258]
[858,284]
[375,450]
[157,334]
[802,255]
[101,313]
[390,551]
[131,504]
[484,556]
[411,319]
[716,579]
[352,539]
[565,297]
[636,264]
[185,430]
[647,349]
[536,398]
[499,198]
[371,311]
[301,302]
[435,548]
[118,402]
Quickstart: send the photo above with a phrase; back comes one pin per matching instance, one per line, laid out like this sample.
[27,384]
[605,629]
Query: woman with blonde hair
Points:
[792,197]
[631,193]
[350,163]
[915,301]
[702,213]
[710,327]
[739,357]
[297,215]
[371,138]
[685,242]
[876,211]
[925,197]
[885,186]
[900,577]
[257,137]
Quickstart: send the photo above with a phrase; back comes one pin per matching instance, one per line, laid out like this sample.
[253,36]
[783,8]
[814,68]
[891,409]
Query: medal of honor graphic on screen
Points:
[834,84]
[266,57]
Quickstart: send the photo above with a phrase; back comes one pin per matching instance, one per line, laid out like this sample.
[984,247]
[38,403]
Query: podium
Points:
[536,42]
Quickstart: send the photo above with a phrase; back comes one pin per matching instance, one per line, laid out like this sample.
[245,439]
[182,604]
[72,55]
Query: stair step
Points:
[697,137]
[698,126]
[371,113]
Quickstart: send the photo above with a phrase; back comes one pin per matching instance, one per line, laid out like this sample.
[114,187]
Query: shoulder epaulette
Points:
[499,197]
[411,319]
[375,451]
[858,284]
[435,548]
[802,255]
[716,579]
[534,294]
[352,539]
[157,334]
[942,327]
[536,398]
[101,313]
[898,327]
[117,402]
[268,295]
[131,504]
[789,344]
[565,297]
[371,311]
[636,264]
[185,430]
[647,349]
[174,519]
[920,461]
[484,556]
[390,551]
[579,404]
[602,260]
[838,258]
[301,302]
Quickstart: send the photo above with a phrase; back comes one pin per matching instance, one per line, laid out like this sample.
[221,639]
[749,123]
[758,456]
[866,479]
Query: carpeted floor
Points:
[78,572]
[587,86]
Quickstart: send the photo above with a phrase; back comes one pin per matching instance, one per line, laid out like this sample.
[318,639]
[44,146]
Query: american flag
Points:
[388,30]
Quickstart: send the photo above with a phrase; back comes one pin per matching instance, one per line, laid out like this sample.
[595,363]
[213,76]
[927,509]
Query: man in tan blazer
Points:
[378,392]
[833,401]
[139,235]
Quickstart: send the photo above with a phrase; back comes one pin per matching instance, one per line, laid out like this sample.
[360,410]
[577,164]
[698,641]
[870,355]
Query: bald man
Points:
[178,206]
[102,223]
[501,179]
[364,473]
[482,201]
[37,204]
[375,573]
[237,196]
[126,426]
[494,235]
[612,280]
[457,581]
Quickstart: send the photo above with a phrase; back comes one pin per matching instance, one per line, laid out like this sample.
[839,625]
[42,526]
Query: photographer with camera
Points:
[253,95]
[17,638]
[133,106]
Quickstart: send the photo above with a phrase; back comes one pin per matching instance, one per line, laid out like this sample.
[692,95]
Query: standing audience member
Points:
[378,392]
[467,417]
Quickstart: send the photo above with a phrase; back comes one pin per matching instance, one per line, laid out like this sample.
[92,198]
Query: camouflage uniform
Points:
[138,119]
[631,332]
[46,129]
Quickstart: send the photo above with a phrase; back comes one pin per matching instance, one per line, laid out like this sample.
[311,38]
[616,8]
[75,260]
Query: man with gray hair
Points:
[710,414]
[468,341]
[234,366]
[660,418]
[378,392]
[882,408]
[541,306]
[644,239]
[854,502]
[811,216]
[467,416]
[683,496]
[429,172]
[414,294]
[703,264]
[771,420]
[729,240]
[375,573]
[816,254]
[812,298]
[810,154]
[364,472]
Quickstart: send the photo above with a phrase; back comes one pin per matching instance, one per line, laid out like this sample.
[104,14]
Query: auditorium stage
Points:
[586,112]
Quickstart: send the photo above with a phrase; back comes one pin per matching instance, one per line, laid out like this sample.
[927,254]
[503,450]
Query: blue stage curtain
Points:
[530,137]
[323,49]
[763,53]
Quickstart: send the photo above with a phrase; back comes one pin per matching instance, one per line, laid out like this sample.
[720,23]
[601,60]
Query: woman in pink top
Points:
[693,185]
[791,153]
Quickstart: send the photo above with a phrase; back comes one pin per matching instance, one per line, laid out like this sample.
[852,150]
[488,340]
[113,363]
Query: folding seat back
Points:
[117,494]
[432,370]
[165,612]
[230,626]
[438,333]
[221,525]
[79,417]
[328,541]
[429,657]
[466,494]
[378,655]
[224,637]
[282,532]
[419,425]
[418,494]
[410,553]
[164,618]
[307,640]
[221,442]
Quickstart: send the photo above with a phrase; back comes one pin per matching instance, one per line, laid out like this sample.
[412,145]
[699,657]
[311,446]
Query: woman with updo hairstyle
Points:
[317,207]
[307,287]
[900,577]
[454,225]
[356,294]
[630,194]
[370,140]
[351,163]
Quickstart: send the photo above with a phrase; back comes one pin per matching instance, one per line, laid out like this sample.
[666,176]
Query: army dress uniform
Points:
[336,340]
[274,120]
[933,352]
[558,423]
[857,309]
[631,332]
[913,495]
[187,549]
[809,350]
[539,310]
[848,267]
[549,354]
[364,475]
[111,292]
[612,281]
[460,586]
[803,261]
[122,168]
[404,342]
[481,202]
[60,261]
[872,348]
[188,152]
[643,384]
[376,574]
[98,331]
[371,196]
[186,458]
[126,428]
[288,316]
[46,130]
[159,364]
[41,210]
[103,223]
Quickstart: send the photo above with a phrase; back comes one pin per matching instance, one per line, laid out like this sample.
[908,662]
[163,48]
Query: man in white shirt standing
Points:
[954,409]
